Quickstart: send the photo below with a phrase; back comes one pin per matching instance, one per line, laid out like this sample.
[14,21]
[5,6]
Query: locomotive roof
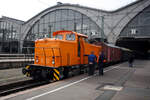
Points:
[62,31]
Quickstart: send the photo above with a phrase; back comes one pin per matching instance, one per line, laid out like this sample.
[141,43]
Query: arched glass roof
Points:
[62,19]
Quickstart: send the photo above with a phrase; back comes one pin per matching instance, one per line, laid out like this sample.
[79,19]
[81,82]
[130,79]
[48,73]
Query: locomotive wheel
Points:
[37,75]
[81,68]
[24,71]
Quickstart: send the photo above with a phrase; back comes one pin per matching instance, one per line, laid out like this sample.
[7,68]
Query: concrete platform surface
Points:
[11,75]
[119,82]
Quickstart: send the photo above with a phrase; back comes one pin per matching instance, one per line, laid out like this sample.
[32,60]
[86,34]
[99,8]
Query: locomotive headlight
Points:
[53,62]
[37,60]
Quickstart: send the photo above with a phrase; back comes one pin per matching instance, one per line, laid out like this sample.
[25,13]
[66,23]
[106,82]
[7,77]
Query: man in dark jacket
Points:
[91,61]
[101,61]
[131,59]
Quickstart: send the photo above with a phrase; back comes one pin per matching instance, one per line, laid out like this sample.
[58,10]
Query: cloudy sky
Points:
[25,9]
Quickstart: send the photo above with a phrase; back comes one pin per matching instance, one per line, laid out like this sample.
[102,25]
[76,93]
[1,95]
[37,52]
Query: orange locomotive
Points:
[55,57]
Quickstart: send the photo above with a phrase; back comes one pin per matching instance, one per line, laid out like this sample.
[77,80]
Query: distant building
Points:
[10,32]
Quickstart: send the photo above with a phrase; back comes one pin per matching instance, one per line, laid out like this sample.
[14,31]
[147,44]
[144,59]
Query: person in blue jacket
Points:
[91,61]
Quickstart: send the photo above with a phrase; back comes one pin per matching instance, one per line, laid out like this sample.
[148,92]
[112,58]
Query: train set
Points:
[114,54]
[55,57]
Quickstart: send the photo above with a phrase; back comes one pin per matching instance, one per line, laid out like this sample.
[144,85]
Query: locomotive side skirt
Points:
[41,72]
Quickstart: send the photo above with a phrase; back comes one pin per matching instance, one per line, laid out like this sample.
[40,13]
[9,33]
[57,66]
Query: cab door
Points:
[81,49]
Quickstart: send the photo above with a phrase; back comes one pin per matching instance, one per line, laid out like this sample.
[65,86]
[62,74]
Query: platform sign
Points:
[133,31]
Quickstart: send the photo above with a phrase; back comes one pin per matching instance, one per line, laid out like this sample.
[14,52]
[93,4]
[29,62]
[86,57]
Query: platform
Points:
[11,75]
[119,82]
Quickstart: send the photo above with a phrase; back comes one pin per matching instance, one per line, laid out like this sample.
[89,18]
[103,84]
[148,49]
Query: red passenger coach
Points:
[111,52]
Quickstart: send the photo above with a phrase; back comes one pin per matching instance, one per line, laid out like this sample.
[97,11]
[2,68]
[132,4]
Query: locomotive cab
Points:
[54,57]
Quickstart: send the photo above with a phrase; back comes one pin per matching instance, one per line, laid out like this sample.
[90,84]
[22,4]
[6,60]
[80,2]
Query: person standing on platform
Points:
[131,59]
[101,63]
[91,61]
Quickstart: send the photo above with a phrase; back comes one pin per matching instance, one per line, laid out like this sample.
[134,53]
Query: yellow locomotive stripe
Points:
[27,67]
[54,79]
[27,74]
[56,71]
[57,77]
[55,74]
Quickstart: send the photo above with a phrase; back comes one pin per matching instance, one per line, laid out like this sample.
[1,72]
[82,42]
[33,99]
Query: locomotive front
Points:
[47,59]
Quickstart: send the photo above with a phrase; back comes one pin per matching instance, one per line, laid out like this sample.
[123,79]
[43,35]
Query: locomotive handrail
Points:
[60,56]
[53,54]
[44,55]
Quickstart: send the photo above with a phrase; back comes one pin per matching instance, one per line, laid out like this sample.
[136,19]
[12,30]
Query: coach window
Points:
[70,37]
[60,37]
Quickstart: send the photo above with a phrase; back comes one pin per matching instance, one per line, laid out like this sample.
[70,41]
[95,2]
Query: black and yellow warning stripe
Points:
[56,75]
[27,73]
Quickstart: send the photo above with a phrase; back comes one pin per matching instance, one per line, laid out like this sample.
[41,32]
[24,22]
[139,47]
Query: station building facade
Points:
[132,20]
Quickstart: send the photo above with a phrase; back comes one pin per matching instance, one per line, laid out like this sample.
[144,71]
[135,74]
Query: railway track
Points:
[19,86]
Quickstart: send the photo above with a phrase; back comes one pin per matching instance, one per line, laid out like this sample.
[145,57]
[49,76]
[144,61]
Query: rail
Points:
[19,86]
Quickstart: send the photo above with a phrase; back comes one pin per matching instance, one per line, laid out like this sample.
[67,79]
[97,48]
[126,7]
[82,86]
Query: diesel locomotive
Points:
[55,57]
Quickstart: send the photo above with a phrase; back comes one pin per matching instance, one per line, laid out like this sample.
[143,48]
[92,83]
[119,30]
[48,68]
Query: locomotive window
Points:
[86,40]
[59,37]
[70,37]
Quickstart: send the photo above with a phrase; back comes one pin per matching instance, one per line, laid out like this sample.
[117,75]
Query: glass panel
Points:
[63,20]
[59,37]
[57,26]
[77,15]
[58,15]
[64,15]
[70,37]
[46,19]
[70,15]
[64,25]
[52,16]
[70,25]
